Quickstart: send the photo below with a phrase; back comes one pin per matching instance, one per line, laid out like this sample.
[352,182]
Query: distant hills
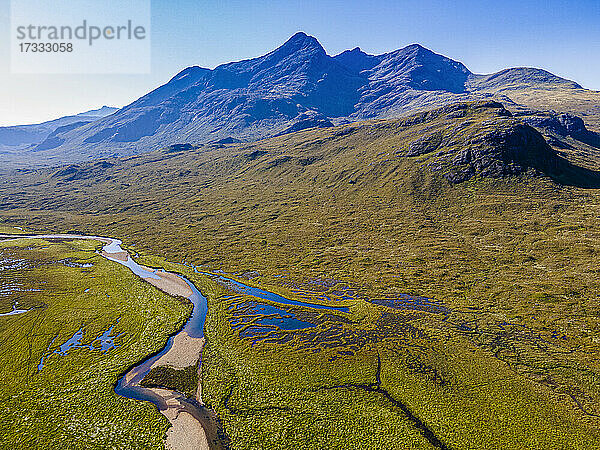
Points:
[21,136]
[299,86]
[458,142]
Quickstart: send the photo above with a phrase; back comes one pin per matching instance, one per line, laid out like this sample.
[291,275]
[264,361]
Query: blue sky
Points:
[560,36]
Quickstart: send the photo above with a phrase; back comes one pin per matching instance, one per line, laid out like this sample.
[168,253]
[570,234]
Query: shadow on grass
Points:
[568,174]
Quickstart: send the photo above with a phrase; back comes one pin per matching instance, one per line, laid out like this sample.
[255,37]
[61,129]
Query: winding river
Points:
[193,424]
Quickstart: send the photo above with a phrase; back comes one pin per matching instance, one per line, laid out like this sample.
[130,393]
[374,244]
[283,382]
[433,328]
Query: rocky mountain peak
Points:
[356,60]
[299,43]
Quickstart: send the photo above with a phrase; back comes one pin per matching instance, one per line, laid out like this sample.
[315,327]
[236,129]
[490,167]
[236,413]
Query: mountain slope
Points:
[298,86]
[519,78]
[296,81]
[448,145]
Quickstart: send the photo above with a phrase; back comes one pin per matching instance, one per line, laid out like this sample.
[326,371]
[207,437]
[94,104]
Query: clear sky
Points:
[486,35]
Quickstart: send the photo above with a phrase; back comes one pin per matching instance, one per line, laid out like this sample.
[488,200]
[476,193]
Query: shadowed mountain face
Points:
[294,87]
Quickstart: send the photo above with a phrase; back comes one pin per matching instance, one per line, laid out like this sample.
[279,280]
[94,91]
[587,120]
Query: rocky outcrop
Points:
[307,123]
[510,150]
[562,124]
[470,140]
[82,172]
[426,144]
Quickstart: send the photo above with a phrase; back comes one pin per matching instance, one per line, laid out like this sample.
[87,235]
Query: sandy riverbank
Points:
[119,256]
[169,283]
[186,432]
[185,352]
[191,424]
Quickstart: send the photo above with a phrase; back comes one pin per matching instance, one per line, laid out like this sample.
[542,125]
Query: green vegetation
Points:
[270,391]
[581,102]
[70,402]
[181,380]
[512,364]
[9,230]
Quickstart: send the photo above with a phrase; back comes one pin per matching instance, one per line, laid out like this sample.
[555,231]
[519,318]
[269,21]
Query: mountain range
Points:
[299,86]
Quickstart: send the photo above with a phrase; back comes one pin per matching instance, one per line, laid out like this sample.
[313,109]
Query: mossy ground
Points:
[181,380]
[70,402]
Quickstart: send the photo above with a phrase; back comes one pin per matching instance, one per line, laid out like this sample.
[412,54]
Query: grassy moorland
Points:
[70,402]
[349,382]
[181,380]
[510,360]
